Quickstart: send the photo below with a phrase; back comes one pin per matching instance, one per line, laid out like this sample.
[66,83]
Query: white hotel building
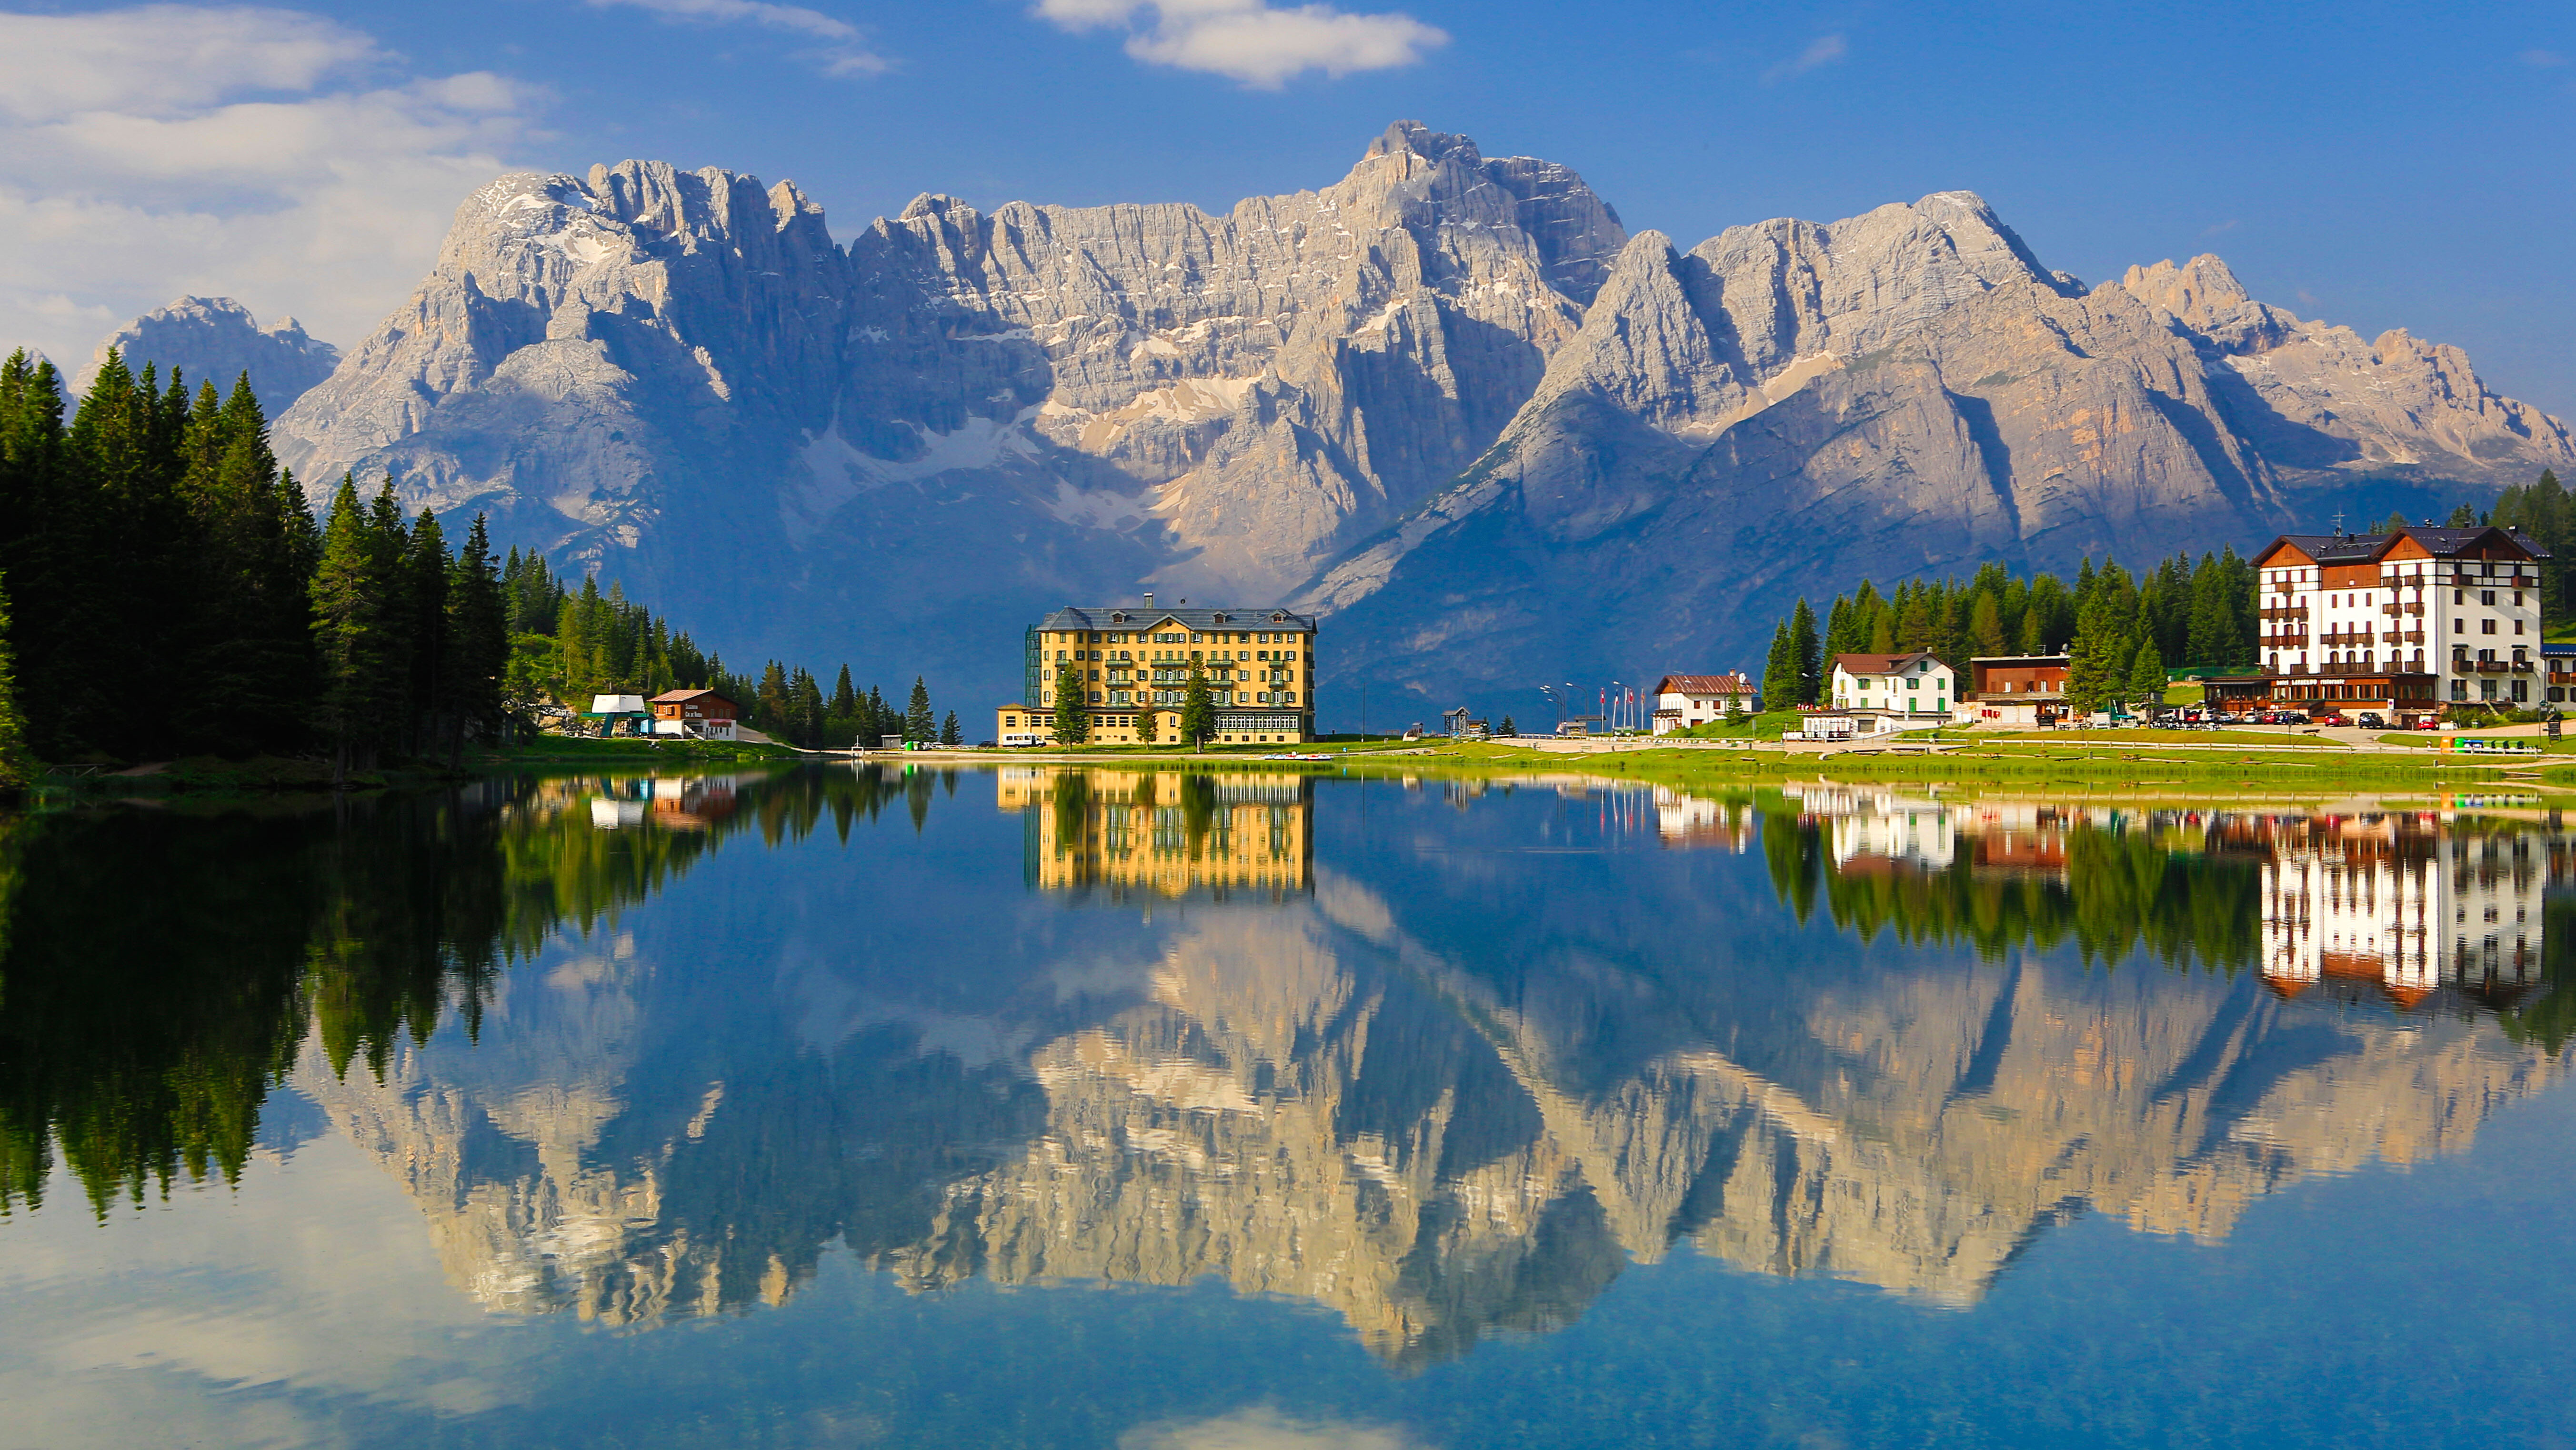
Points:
[2403,622]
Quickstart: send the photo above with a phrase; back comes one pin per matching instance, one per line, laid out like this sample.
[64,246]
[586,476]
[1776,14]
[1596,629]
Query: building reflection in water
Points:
[1448,1101]
[1162,833]
[2392,902]
[624,802]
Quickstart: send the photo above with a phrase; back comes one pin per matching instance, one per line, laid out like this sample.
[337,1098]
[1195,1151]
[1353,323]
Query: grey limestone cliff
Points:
[216,340]
[1788,408]
[1447,400]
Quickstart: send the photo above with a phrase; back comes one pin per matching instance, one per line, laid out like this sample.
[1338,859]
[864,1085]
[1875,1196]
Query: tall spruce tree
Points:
[352,628]
[1780,682]
[1806,653]
[918,722]
[1072,722]
[1198,708]
[17,766]
[2147,675]
[477,643]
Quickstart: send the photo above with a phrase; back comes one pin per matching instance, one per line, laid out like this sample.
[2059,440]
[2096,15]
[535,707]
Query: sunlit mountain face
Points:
[1453,1070]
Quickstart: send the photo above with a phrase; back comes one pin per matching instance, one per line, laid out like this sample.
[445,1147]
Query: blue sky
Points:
[2377,166]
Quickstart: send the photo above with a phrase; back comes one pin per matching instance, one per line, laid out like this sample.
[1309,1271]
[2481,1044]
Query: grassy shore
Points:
[272,775]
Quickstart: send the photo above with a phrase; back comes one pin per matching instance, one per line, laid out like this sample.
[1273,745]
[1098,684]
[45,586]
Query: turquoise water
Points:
[1240,1110]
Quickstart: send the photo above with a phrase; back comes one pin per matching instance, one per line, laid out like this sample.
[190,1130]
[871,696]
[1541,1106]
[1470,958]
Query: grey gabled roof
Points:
[2440,540]
[1142,617]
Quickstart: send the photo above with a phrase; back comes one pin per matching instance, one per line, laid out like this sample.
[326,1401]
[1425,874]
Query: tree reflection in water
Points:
[163,969]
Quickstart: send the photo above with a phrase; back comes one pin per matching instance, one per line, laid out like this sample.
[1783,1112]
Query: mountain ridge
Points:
[1448,400]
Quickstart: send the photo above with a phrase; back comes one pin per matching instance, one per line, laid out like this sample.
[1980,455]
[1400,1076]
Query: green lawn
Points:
[584,749]
[2152,736]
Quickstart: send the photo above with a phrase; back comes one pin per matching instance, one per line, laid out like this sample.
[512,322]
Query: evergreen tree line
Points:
[2122,630]
[175,595]
[569,645]
[2124,893]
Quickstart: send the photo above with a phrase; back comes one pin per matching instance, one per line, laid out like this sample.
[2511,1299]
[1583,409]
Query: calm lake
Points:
[1112,1108]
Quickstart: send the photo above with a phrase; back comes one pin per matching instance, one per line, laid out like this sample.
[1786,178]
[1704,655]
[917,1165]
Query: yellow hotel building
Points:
[1135,665]
[1169,834]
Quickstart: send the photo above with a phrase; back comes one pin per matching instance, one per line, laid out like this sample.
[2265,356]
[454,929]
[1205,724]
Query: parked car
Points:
[2372,720]
[2328,717]
[2428,723]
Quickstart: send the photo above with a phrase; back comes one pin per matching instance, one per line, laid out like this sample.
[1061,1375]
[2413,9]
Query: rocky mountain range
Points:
[1448,401]
[216,340]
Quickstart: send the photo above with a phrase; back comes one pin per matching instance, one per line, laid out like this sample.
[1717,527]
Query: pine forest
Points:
[166,591]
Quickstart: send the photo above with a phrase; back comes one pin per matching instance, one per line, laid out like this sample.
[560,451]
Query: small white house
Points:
[1682,701]
[1910,686]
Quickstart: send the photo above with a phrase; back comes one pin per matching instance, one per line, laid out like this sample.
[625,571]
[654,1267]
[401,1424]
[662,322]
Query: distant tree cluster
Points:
[569,645]
[174,594]
[2122,630]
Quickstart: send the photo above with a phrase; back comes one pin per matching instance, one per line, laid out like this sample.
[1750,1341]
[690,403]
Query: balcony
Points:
[2300,615]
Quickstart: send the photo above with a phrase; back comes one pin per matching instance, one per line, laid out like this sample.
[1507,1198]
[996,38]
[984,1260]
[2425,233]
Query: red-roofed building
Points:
[697,714]
[1915,686]
[1682,701]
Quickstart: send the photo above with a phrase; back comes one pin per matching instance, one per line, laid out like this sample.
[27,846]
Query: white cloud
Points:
[1252,41]
[54,64]
[1825,51]
[253,153]
[845,52]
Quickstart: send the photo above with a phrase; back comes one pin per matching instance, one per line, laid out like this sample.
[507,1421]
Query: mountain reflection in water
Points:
[1439,1091]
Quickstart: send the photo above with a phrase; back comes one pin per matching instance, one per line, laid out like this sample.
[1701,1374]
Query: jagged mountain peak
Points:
[2196,292]
[678,374]
[934,204]
[216,340]
[1420,140]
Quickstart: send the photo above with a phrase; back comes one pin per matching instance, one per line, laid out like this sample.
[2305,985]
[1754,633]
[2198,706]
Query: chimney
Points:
[1149,599]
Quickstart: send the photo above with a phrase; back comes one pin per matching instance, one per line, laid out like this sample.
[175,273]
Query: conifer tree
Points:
[17,766]
[1986,626]
[425,571]
[1806,652]
[478,641]
[1509,728]
[949,734]
[2147,675]
[771,699]
[351,608]
[918,723]
[1198,708]
[1780,681]
[845,701]
[1072,722]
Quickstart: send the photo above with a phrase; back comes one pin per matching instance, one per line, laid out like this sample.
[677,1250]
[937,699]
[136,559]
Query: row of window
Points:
[1120,656]
[2367,659]
[1175,697]
[1096,636]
